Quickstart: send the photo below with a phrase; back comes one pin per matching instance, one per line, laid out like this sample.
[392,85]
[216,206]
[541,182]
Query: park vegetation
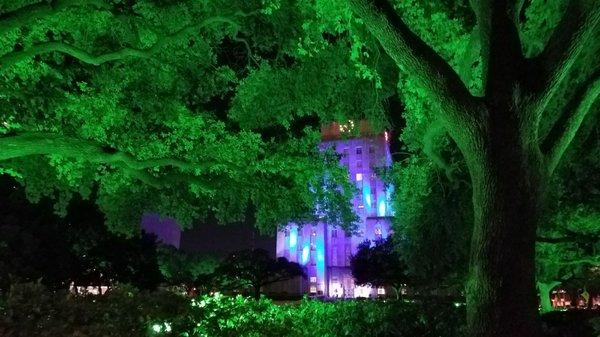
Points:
[200,109]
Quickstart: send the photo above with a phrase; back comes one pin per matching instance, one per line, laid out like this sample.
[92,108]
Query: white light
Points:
[362,291]
[335,290]
[156,328]
[381,208]
[359,177]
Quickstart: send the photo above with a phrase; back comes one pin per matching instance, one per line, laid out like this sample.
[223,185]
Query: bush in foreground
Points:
[31,309]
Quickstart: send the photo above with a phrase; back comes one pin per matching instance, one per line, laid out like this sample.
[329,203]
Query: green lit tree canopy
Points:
[133,97]
[189,107]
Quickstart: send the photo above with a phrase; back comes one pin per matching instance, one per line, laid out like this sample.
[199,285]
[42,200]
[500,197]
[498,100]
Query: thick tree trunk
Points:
[501,293]
[256,289]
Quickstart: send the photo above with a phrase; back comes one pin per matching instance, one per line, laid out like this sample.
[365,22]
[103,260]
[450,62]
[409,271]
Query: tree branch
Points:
[594,262]
[573,34]
[42,48]
[554,240]
[24,15]
[560,144]
[468,59]
[10,59]
[39,143]
[458,108]
[573,237]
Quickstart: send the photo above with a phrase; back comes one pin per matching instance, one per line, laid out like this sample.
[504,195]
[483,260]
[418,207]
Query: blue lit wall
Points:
[361,156]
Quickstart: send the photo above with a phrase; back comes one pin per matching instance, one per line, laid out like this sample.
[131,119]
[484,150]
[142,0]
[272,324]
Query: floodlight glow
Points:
[293,238]
[305,253]
[381,208]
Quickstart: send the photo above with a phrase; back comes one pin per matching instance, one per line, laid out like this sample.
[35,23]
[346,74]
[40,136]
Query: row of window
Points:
[358,150]
[334,234]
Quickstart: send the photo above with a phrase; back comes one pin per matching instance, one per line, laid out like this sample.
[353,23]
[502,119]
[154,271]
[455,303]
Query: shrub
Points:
[238,316]
[33,310]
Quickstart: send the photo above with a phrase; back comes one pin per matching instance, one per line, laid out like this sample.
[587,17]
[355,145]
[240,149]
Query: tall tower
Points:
[325,250]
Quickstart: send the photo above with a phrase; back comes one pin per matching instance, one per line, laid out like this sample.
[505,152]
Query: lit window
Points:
[313,289]
[359,150]
[313,279]
[361,206]
[359,176]
[381,291]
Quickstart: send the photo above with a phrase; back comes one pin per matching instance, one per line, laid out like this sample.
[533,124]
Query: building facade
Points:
[167,230]
[325,250]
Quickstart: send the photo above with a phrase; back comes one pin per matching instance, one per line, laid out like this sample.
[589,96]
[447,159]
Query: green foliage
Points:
[432,224]
[573,217]
[237,316]
[253,269]
[134,98]
[179,267]
[33,310]
[379,265]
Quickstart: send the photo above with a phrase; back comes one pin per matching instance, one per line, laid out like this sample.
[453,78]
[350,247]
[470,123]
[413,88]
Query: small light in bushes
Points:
[156,328]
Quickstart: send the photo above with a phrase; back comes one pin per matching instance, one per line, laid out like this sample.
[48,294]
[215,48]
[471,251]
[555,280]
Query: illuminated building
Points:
[325,250]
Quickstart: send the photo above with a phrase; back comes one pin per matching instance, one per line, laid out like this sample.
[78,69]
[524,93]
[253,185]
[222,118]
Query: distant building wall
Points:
[166,230]
[325,250]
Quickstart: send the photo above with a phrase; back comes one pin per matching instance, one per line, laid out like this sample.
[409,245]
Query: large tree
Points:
[255,269]
[512,136]
[378,264]
[185,98]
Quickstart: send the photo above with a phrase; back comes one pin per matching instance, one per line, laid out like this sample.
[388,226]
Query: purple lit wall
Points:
[166,230]
[325,250]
